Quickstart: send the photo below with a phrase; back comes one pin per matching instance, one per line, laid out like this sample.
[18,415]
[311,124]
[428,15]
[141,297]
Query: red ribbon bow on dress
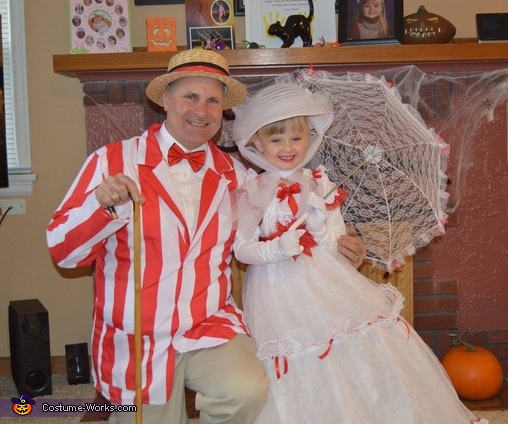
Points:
[306,240]
[289,191]
[196,159]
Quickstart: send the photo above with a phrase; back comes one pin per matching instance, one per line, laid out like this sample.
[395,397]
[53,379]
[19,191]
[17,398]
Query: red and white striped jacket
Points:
[186,278]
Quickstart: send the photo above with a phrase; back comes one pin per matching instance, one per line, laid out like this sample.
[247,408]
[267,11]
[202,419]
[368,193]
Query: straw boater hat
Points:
[198,63]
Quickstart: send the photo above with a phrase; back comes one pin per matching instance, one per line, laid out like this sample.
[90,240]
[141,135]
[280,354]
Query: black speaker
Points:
[30,351]
[78,365]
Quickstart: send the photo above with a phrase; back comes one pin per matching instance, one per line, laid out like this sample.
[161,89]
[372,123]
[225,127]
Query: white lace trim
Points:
[281,348]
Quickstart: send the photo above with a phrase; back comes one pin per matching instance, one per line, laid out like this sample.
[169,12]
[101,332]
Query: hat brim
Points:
[235,94]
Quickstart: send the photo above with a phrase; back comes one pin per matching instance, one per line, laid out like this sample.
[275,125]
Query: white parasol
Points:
[390,163]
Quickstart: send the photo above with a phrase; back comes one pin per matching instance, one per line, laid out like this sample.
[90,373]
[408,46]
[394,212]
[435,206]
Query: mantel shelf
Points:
[463,56]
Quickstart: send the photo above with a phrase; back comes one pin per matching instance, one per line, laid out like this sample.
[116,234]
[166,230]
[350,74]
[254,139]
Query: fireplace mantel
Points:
[140,64]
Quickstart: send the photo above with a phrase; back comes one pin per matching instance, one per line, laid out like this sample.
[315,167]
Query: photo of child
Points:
[100,22]
[370,21]
[99,26]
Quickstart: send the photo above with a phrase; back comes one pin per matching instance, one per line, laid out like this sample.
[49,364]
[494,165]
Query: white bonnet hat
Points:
[275,103]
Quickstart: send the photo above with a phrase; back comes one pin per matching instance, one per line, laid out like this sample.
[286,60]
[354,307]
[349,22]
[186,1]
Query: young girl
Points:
[331,340]
[370,21]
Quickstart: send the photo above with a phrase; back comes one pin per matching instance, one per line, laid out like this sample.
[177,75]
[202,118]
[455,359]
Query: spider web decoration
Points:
[455,105]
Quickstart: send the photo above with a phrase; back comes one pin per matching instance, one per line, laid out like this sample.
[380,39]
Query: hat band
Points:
[200,67]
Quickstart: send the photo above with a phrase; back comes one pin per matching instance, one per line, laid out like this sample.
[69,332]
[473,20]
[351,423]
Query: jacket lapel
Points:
[154,172]
[156,179]
[219,175]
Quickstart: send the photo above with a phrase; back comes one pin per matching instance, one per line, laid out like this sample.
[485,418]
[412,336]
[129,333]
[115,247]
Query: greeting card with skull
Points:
[99,26]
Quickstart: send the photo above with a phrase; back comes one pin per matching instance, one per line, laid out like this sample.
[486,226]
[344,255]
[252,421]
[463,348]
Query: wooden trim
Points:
[142,64]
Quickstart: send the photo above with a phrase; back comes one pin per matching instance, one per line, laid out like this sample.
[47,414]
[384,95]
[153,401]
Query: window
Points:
[16,98]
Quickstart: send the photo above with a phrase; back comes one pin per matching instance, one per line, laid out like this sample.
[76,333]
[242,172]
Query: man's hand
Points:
[117,190]
[353,249]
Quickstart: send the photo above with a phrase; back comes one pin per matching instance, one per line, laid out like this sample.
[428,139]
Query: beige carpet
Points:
[82,392]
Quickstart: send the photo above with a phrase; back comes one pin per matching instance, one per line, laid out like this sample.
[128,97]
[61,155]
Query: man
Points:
[193,333]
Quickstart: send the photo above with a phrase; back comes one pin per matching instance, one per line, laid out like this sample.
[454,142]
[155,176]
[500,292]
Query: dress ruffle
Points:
[333,341]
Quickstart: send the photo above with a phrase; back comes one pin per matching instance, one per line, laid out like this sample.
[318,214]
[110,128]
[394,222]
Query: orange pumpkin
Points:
[425,27]
[474,371]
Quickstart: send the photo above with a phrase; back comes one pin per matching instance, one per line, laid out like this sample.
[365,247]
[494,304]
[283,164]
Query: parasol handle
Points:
[305,215]
[137,314]
[336,186]
[297,223]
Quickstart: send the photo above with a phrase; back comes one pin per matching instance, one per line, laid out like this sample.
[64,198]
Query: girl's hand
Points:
[289,243]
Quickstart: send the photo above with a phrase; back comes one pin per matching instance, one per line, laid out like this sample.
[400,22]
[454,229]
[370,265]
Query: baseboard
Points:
[58,365]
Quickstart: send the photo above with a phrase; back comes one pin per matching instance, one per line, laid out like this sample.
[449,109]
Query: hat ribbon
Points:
[197,67]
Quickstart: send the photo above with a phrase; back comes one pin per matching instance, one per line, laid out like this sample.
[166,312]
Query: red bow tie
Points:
[196,159]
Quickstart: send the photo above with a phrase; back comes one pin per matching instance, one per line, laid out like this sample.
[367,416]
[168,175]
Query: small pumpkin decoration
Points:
[161,34]
[474,371]
[424,27]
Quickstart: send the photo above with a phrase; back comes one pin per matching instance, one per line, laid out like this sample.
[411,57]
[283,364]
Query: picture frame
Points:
[199,37]
[350,32]
[210,24]
[239,8]
[261,15]
[99,26]
[156,2]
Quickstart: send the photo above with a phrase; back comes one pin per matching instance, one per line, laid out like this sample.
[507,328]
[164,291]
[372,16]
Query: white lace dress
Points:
[332,341]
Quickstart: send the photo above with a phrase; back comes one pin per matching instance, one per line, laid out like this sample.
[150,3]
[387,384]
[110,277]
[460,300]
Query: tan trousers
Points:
[229,381]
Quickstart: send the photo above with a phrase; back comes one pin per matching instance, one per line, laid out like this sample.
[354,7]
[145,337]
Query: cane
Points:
[137,313]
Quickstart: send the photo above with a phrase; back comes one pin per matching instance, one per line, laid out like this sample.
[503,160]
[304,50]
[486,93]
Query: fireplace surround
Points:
[116,107]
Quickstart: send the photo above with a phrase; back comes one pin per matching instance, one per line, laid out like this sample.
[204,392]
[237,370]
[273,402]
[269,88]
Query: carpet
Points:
[85,395]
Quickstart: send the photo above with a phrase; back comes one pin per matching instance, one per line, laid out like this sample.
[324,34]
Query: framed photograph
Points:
[99,26]
[239,8]
[371,21]
[211,38]
[210,24]
[156,2]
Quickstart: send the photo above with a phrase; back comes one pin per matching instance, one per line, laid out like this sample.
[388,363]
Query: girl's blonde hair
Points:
[384,31]
[299,123]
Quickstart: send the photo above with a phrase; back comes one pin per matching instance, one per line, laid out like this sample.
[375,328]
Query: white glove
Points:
[316,223]
[271,251]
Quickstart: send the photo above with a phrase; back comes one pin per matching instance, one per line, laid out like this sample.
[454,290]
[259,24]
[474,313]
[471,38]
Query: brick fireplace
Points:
[460,280]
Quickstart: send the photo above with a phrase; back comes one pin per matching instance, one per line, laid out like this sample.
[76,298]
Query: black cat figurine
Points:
[295,26]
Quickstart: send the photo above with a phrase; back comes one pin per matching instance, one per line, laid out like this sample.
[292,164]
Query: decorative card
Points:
[210,24]
[99,26]
[161,34]
[274,15]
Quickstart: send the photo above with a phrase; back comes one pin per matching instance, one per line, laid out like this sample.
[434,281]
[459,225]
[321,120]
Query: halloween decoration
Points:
[161,34]
[424,27]
[475,372]
[250,45]
[295,26]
